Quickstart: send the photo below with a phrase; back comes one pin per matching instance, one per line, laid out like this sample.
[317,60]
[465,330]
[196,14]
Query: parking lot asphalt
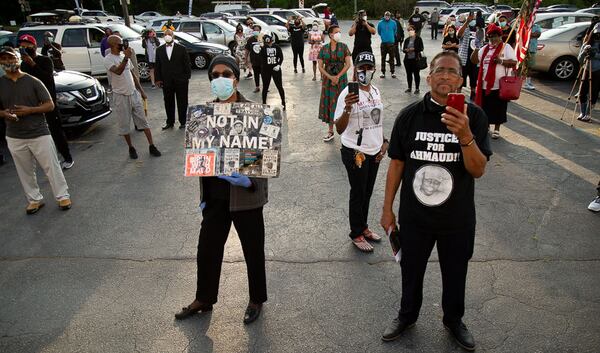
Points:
[108,275]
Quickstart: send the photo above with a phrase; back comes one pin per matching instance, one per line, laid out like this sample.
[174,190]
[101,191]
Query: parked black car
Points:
[80,98]
[201,52]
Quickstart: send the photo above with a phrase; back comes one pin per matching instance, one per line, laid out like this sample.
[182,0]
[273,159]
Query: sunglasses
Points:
[226,74]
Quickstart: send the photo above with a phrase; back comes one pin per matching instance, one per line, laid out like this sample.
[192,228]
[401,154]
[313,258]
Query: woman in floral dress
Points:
[240,51]
[334,60]
[315,39]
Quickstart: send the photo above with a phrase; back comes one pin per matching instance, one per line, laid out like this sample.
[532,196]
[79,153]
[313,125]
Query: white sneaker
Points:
[67,165]
[529,86]
[595,205]
[580,116]
[586,118]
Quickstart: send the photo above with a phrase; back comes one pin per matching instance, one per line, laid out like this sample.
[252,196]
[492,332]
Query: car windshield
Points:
[445,11]
[187,37]
[224,25]
[126,32]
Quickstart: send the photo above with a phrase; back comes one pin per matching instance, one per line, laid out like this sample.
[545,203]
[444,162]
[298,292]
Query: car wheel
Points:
[564,68]
[200,62]
[144,69]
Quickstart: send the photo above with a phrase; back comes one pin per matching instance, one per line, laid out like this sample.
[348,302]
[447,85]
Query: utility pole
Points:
[190,8]
[355,9]
[102,5]
[125,12]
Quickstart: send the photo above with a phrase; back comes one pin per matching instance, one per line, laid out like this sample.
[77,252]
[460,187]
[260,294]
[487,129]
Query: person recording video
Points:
[589,57]
[363,30]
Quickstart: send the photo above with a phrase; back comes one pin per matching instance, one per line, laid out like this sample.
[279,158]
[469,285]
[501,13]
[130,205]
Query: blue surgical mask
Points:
[502,23]
[256,33]
[472,23]
[222,87]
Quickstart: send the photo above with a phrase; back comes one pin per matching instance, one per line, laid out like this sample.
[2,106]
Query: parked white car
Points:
[278,32]
[81,44]
[212,31]
[426,7]
[100,15]
[287,14]
[148,16]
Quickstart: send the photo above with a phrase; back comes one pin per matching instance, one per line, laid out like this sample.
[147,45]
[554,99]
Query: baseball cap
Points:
[8,50]
[28,38]
[365,57]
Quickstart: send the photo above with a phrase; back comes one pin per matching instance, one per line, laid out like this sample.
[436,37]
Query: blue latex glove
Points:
[202,206]
[237,179]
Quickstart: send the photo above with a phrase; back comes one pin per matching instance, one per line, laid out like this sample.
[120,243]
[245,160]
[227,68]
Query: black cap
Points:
[225,60]
[267,38]
[365,57]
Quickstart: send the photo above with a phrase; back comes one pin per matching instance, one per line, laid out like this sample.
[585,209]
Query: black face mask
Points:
[30,51]
[121,47]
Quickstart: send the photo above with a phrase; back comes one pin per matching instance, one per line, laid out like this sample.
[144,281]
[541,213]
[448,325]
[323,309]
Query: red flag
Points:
[526,19]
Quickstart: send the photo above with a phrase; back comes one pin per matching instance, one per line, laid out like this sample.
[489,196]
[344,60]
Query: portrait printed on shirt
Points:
[432,185]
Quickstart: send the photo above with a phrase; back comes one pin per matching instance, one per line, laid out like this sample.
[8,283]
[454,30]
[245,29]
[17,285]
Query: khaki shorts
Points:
[127,108]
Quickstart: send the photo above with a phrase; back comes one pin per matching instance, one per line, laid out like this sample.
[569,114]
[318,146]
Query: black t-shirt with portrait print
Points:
[254,45]
[451,40]
[437,193]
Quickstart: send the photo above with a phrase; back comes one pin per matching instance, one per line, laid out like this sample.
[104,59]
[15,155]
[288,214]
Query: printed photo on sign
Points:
[432,185]
[270,163]
[239,134]
[200,163]
[231,161]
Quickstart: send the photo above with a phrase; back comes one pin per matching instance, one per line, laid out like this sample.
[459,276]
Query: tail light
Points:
[540,46]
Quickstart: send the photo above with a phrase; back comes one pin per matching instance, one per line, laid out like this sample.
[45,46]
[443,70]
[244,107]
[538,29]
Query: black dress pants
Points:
[58,135]
[434,30]
[298,50]
[454,252]
[362,181]
[410,65]
[256,69]
[215,227]
[387,49]
[266,79]
[179,90]
[397,45]
[470,72]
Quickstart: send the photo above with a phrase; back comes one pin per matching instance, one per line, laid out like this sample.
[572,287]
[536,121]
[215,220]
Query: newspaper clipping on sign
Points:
[227,138]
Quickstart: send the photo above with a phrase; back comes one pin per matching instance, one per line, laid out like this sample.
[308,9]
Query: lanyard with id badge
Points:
[359,157]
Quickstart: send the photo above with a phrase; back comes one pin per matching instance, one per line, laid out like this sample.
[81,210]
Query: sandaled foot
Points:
[328,137]
[362,244]
[371,236]
[496,134]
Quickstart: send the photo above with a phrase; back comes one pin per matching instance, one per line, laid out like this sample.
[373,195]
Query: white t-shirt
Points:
[508,53]
[123,83]
[366,114]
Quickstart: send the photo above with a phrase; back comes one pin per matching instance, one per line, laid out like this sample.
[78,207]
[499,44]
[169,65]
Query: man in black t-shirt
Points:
[417,21]
[362,32]
[253,47]
[271,58]
[437,152]
[42,68]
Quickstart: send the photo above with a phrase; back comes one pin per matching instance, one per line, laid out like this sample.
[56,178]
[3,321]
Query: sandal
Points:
[371,236]
[495,134]
[329,137]
[362,244]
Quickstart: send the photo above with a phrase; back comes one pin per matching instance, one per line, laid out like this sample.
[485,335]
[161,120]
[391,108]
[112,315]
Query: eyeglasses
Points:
[226,74]
[439,71]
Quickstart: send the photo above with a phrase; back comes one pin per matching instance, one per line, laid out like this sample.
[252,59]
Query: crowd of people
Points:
[436,151]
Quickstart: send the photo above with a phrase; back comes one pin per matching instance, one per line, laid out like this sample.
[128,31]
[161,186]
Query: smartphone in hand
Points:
[456,101]
[125,43]
[353,88]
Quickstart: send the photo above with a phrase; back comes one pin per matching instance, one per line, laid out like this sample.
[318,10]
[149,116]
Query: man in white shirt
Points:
[127,94]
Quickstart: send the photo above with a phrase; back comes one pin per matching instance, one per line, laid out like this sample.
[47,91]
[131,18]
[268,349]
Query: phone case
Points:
[456,101]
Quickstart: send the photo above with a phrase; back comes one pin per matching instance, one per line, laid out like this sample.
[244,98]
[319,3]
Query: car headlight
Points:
[65,98]
[215,51]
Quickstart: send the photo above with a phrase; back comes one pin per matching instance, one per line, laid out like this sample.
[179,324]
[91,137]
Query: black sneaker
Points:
[154,151]
[461,335]
[132,153]
[395,329]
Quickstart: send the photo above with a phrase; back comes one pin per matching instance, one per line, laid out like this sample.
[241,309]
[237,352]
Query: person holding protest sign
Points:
[271,59]
[334,61]
[358,119]
[225,200]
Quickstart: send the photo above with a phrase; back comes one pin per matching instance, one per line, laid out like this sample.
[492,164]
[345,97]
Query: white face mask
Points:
[412,33]
[365,18]
[315,26]
[168,38]
[336,37]
[452,23]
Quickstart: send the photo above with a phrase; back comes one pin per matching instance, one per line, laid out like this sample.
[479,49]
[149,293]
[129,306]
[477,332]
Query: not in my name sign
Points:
[227,138]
